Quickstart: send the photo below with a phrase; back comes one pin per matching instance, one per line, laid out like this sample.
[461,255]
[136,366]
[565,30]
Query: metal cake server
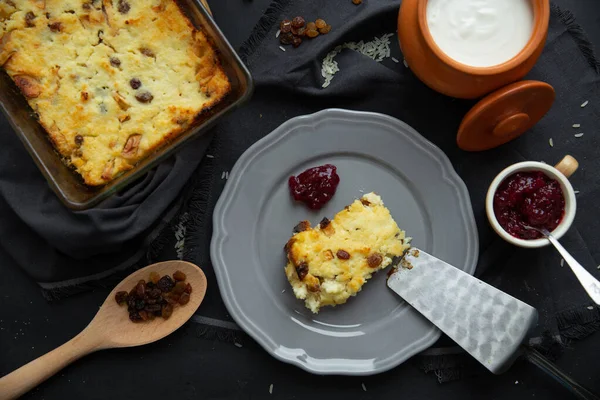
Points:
[489,324]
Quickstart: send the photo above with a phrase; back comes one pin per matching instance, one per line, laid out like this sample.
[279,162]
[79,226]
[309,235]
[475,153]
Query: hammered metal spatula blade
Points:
[488,323]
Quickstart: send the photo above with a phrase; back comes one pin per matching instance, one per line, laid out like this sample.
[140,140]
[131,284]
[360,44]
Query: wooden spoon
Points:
[110,328]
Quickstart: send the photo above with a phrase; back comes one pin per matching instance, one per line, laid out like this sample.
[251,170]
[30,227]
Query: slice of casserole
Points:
[332,261]
[111,81]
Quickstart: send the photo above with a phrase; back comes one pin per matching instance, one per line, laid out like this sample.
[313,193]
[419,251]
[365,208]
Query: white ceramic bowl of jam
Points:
[534,194]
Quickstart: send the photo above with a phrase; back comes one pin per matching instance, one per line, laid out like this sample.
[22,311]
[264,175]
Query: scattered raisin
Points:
[78,140]
[184,299]
[343,254]
[29,17]
[374,260]
[298,31]
[365,202]
[324,223]
[286,38]
[123,7]
[143,315]
[167,310]
[121,297]
[144,97]
[320,23]
[135,83]
[154,277]
[147,52]
[154,293]
[153,308]
[188,288]
[285,26]
[325,30]
[165,284]
[302,270]
[311,26]
[312,33]
[55,26]
[179,276]
[298,22]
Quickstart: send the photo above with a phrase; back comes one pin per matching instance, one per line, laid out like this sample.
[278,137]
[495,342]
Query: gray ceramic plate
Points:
[254,217]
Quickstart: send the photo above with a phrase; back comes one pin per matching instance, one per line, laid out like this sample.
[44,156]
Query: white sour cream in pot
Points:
[480,33]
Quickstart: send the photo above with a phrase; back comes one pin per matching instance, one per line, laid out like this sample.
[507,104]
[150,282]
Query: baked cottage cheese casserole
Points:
[111,81]
[331,262]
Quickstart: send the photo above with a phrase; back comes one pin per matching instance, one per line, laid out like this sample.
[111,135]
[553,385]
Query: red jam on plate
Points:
[315,186]
[530,198]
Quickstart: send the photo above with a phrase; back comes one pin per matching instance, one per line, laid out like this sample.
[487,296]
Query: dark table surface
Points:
[185,368]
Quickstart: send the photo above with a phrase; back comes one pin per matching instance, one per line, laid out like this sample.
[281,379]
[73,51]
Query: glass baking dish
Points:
[65,182]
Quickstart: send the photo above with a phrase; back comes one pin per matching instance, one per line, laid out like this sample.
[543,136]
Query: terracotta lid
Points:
[504,115]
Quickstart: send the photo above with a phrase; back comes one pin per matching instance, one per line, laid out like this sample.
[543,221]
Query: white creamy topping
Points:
[480,33]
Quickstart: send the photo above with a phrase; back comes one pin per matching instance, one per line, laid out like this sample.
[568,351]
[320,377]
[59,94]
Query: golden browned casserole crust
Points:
[111,80]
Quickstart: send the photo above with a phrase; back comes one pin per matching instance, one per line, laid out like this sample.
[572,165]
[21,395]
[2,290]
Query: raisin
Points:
[144,97]
[165,284]
[357,2]
[153,308]
[324,223]
[121,297]
[179,276]
[298,31]
[140,288]
[298,22]
[311,33]
[167,310]
[311,26]
[135,83]
[135,316]
[302,270]
[154,293]
[325,30]
[78,140]
[343,254]
[150,285]
[285,26]
[154,277]
[147,52]
[286,38]
[365,202]
[29,17]
[140,304]
[55,26]
[130,302]
[188,288]
[320,23]
[374,260]
[143,315]
[302,226]
[115,62]
[123,7]
[184,299]
[179,288]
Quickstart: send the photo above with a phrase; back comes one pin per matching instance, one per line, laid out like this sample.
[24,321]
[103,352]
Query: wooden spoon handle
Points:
[32,374]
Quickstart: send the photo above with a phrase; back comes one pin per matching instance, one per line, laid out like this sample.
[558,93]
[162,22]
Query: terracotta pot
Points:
[447,76]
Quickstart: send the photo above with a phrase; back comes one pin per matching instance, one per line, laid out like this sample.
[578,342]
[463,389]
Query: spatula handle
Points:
[534,357]
[35,372]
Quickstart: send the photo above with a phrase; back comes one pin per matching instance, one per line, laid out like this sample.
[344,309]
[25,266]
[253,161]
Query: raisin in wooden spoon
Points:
[110,328]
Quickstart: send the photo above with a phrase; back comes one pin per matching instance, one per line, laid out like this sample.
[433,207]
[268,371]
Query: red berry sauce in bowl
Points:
[315,186]
[531,198]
